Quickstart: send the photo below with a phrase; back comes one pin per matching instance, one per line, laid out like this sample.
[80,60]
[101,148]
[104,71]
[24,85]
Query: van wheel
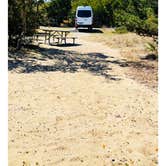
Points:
[90,28]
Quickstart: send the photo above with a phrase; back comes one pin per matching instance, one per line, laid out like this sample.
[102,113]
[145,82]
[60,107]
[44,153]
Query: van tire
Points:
[90,28]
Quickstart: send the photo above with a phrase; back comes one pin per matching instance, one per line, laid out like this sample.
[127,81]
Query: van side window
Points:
[84,13]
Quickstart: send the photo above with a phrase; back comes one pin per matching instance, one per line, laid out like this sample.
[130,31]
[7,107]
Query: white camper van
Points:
[84,17]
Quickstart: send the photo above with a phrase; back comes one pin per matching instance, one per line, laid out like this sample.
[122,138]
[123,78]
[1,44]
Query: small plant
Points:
[121,30]
[152,47]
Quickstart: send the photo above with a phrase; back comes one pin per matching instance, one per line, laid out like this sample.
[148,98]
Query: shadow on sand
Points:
[64,61]
[66,45]
[51,59]
[90,31]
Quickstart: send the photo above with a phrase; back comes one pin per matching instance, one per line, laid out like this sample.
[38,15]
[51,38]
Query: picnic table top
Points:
[57,29]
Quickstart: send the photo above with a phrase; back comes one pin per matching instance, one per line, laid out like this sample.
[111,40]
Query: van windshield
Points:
[84,13]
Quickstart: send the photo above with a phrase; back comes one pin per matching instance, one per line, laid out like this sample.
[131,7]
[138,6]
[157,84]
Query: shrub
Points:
[121,30]
[130,21]
[152,47]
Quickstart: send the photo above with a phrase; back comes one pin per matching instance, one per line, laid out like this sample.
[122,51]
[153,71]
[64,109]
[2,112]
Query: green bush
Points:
[121,30]
[151,26]
[130,21]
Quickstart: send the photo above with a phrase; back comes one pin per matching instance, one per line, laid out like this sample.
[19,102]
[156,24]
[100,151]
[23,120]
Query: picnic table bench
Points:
[60,35]
[61,39]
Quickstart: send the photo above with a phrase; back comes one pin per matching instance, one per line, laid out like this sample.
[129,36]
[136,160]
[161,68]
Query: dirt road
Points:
[75,106]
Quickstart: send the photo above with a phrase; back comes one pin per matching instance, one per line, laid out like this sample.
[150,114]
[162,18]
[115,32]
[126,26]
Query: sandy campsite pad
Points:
[80,116]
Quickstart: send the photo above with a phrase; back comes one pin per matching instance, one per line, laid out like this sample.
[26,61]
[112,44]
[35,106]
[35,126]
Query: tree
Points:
[58,10]
[22,18]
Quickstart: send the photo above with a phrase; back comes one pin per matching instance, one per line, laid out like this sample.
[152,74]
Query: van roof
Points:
[84,8]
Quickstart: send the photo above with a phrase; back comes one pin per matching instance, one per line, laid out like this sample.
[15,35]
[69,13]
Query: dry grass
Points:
[133,49]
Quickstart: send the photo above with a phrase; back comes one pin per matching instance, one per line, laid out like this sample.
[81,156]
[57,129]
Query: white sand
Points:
[72,119]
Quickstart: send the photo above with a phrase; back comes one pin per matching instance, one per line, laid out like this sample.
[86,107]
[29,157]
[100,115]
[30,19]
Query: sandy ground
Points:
[71,106]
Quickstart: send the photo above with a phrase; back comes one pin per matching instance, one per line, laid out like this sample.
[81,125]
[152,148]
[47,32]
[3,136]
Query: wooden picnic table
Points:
[59,34]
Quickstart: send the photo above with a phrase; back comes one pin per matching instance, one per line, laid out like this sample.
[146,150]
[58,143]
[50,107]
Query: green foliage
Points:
[121,30]
[138,17]
[22,19]
[14,17]
[43,14]
[152,47]
[151,25]
[130,21]
[58,10]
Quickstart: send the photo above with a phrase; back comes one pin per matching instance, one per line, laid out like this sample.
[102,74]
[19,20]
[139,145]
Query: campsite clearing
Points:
[93,103]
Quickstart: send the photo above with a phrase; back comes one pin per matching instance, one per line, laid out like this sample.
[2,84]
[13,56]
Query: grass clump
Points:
[121,30]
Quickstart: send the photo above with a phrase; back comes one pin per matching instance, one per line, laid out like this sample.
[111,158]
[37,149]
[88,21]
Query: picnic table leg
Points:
[49,38]
[73,41]
[61,37]
[65,37]
[45,38]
